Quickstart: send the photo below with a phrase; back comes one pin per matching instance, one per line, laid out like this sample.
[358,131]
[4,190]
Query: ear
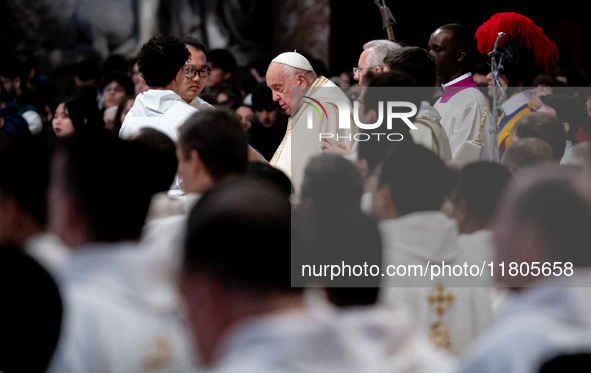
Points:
[195,160]
[301,81]
[461,55]
[227,75]
[378,69]
[566,127]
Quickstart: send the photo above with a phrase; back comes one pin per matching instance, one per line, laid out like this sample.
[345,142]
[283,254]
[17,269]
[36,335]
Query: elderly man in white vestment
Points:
[308,99]
[245,315]
[407,198]
[109,323]
[544,218]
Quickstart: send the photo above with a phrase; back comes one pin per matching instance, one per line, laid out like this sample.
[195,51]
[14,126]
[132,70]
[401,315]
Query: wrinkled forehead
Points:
[275,74]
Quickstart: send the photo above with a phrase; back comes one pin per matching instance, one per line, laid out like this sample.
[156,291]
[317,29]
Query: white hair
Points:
[380,49]
[292,72]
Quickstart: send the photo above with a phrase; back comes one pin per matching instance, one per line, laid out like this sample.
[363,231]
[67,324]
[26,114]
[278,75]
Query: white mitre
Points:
[294,59]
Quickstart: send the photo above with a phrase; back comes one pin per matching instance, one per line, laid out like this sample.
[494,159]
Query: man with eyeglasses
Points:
[162,62]
[196,73]
[372,58]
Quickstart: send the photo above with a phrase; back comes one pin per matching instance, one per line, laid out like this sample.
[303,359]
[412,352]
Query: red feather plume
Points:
[517,28]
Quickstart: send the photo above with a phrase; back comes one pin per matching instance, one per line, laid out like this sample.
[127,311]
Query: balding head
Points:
[543,216]
[372,58]
[527,152]
[543,126]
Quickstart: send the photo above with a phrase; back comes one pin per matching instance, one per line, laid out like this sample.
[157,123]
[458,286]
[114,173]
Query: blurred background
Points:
[61,32]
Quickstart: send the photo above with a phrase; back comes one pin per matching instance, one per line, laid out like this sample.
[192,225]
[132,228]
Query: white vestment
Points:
[477,245]
[200,104]
[48,249]
[108,325]
[534,325]
[300,143]
[461,117]
[431,237]
[567,152]
[163,110]
[292,341]
[384,334]
[162,245]
[430,133]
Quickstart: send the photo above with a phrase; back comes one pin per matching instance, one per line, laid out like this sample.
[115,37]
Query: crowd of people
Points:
[184,212]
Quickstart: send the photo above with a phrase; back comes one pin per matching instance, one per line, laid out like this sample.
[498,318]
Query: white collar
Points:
[458,79]
[516,102]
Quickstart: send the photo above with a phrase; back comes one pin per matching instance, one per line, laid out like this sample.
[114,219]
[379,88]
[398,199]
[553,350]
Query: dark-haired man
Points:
[571,113]
[407,199]
[543,218]
[24,177]
[475,198]
[197,73]
[462,106]
[211,149]
[111,324]
[162,62]
[223,69]
[244,313]
[14,82]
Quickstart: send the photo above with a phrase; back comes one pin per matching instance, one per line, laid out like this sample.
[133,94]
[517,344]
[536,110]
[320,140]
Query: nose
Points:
[356,76]
[276,96]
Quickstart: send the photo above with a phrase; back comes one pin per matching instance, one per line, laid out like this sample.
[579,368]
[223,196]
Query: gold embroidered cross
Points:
[441,301]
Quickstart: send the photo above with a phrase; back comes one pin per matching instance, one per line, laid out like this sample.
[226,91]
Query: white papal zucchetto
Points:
[294,59]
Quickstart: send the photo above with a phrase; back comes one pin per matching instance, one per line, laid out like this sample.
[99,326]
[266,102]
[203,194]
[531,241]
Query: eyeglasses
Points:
[357,70]
[191,72]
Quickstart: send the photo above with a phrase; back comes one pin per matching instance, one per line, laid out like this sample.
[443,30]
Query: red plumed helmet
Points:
[520,29]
